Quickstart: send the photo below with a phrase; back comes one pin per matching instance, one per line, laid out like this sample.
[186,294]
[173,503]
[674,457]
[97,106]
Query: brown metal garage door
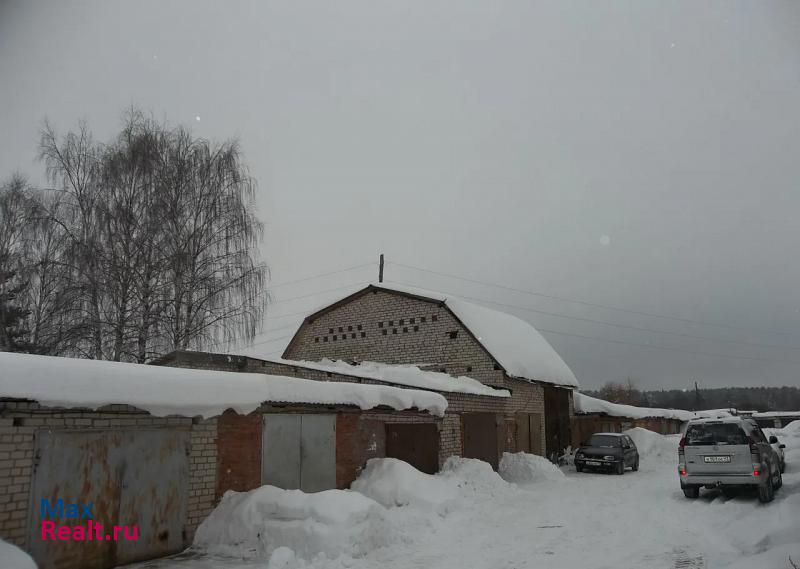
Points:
[416,444]
[529,433]
[481,437]
[556,415]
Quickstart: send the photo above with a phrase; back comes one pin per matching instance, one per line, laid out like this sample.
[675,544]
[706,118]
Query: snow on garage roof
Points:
[66,382]
[585,404]
[400,374]
[514,343]
[770,414]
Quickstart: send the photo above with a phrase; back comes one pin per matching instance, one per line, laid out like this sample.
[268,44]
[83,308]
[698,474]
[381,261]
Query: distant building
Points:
[776,419]
[594,415]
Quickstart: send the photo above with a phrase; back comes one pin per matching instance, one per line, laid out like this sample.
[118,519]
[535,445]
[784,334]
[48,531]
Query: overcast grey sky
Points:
[644,155]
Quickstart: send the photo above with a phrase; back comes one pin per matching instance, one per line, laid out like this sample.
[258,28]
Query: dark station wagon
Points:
[607,451]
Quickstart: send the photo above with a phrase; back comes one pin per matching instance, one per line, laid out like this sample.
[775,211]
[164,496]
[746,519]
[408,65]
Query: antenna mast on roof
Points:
[380,269]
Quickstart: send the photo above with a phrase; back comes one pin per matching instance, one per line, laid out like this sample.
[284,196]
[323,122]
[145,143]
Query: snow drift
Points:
[523,468]
[392,482]
[653,445]
[256,523]
[12,557]
[472,476]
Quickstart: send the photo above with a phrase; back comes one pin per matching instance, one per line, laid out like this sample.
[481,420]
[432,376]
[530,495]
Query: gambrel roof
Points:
[514,344]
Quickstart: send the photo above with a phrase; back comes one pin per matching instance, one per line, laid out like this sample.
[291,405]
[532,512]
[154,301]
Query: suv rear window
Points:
[716,434]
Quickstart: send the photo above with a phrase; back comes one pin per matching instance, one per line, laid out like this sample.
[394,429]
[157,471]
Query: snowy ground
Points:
[586,521]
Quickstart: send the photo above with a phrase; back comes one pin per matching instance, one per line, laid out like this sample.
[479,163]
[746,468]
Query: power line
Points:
[271,330]
[656,347]
[272,340]
[616,325]
[585,303]
[323,275]
[320,292]
[663,347]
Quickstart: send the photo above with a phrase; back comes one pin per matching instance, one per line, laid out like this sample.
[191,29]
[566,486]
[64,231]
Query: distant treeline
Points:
[746,398]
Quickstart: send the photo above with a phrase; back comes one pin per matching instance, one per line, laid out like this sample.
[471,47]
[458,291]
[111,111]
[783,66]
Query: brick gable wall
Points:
[396,329]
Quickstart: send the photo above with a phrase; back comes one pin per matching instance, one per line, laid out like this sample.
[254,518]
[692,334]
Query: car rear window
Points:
[604,441]
[716,434]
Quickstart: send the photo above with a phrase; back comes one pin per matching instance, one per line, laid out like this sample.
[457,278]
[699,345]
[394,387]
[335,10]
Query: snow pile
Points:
[66,382]
[524,468]
[650,444]
[792,428]
[472,476]
[401,374]
[257,523]
[392,482]
[12,557]
[282,558]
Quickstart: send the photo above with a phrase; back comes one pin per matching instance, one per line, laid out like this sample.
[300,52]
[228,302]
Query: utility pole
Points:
[380,269]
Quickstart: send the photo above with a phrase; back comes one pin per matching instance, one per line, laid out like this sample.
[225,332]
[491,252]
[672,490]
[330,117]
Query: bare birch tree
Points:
[149,244]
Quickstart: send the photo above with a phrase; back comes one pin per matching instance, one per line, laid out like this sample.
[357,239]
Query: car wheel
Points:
[779,480]
[783,466]
[766,492]
[579,468]
[636,465]
[620,468]
[692,492]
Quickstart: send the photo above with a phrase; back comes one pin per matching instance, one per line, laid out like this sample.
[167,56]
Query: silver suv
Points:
[727,454]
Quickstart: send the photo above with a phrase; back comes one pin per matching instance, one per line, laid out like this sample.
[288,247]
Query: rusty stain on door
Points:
[131,477]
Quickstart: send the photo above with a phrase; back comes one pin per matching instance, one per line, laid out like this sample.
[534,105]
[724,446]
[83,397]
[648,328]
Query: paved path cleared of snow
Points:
[586,521]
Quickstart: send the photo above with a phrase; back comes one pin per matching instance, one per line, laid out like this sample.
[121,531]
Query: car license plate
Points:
[592,463]
[724,458]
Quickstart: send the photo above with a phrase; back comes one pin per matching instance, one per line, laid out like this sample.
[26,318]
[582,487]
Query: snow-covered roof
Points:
[400,374]
[514,343]
[768,414]
[585,404]
[65,382]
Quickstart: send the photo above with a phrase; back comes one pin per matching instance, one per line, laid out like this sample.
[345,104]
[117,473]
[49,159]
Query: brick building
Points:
[157,447]
[397,325]
[424,449]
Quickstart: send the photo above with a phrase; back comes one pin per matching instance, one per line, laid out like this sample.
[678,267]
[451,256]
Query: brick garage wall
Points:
[238,452]
[384,331]
[360,435]
[526,397]
[357,440]
[21,421]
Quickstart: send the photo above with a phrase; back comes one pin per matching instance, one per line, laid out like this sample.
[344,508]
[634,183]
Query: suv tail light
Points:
[682,443]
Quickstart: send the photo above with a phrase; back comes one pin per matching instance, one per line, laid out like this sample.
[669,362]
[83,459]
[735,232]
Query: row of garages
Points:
[144,461]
